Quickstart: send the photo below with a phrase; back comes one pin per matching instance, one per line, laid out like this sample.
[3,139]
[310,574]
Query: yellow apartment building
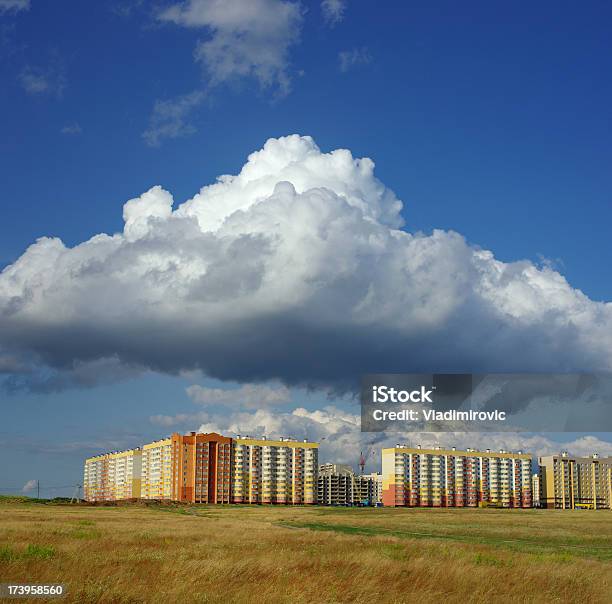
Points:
[113,476]
[158,468]
[274,471]
[568,482]
[436,477]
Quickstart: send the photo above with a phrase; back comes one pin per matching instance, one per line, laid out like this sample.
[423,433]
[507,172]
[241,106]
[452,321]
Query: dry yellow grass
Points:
[304,555]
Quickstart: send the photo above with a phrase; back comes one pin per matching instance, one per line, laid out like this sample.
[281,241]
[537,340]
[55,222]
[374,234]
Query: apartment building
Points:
[436,477]
[338,484]
[568,482]
[535,490]
[371,488]
[207,468]
[159,467]
[274,471]
[202,467]
[335,484]
[191,468]
[113,476]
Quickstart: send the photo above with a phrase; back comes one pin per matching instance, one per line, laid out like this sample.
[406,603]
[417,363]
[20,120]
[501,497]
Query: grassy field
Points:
[174,554]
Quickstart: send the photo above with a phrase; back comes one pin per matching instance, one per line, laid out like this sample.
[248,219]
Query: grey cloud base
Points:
[295,269]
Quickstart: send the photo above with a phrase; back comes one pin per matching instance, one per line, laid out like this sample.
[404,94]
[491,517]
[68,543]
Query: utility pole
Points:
[76,494]
[37,489]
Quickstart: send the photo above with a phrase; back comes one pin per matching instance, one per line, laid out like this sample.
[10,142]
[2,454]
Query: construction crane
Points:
[363,458]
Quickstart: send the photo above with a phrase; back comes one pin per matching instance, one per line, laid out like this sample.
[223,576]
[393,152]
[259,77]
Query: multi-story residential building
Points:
[437,477]
[202,467]
[335,485]
[568,482]
[192,468]
[371,488]
[113,476]
[364,491]
[95,478]
[535,490]
[159,468]
[274,471]
[210,468]
[338,485]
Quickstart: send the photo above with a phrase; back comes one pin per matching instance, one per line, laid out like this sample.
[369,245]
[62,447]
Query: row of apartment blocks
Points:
[568,482]
[211,468]
[417,477]
[207,468]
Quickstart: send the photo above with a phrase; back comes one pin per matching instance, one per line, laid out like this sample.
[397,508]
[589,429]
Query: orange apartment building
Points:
[202,467]
[193,468]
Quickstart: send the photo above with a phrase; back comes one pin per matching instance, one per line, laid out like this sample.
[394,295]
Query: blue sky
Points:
[486,120]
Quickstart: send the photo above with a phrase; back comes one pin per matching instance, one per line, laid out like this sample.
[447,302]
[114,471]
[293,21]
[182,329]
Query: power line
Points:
[42,488]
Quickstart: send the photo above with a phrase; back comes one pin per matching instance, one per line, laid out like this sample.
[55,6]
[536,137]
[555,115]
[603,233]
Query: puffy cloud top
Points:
[296,269]
[296,160]
[139,213]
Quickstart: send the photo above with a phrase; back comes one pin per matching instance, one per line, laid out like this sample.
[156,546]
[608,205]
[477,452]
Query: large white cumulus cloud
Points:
[294,269]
